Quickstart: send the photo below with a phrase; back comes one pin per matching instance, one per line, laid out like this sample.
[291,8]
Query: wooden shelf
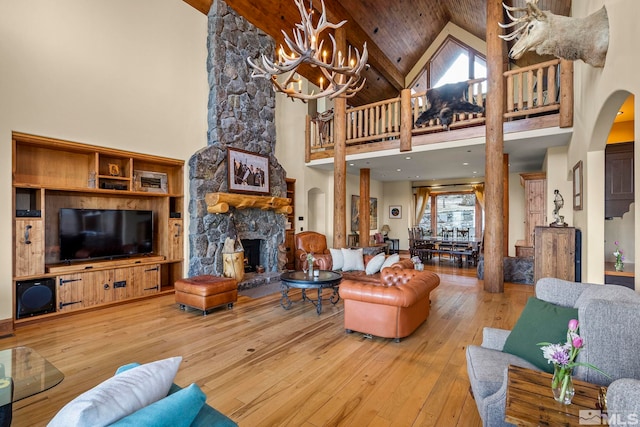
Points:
[220,202]
[49,175]
[628,271]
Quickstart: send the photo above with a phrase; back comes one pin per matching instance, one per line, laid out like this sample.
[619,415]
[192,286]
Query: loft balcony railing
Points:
[544,89]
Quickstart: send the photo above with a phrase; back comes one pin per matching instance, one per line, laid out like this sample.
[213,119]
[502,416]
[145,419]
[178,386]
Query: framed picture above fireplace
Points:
[248,172]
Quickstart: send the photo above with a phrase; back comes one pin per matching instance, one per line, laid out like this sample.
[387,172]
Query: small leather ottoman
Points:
[206,292]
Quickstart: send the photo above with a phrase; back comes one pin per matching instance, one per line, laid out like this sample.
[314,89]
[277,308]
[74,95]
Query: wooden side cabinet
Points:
[555,251]
[618,180]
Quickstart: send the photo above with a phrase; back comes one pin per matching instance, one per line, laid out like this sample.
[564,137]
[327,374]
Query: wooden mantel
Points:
[220,202]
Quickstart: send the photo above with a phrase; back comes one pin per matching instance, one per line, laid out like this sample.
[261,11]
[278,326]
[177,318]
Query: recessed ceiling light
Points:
[398,170]
[351,164]
[465,164]
[408,158]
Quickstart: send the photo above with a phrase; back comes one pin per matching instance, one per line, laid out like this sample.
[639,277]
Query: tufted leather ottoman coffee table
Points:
[206,292]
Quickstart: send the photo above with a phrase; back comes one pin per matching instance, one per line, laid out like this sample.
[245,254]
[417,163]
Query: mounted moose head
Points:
[564,37]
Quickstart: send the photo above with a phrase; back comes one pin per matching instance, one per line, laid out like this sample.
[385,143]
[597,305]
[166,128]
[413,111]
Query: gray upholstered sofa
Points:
[609,317]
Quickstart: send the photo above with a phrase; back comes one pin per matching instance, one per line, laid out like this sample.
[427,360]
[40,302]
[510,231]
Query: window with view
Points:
[453,62]
[452,211]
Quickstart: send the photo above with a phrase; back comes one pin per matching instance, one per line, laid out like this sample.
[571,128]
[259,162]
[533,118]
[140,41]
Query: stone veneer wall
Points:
[241,114]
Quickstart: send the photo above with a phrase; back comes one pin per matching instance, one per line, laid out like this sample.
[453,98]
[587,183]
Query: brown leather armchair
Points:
[394,308]
[314,243]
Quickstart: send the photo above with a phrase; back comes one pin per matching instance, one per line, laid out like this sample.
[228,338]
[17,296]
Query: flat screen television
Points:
[104,233]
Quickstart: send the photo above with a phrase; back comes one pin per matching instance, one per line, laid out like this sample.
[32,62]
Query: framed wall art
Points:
[355,213]
[577,186]
[395,212]
[152,182]
[248,172]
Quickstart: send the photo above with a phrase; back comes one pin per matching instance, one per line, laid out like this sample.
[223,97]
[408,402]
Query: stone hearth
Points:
[241,115]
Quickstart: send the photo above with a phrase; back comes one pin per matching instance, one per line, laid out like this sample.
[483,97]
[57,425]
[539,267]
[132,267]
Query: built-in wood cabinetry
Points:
[618,180]
[555,251]
[535,187]
[49,175]
[289,236]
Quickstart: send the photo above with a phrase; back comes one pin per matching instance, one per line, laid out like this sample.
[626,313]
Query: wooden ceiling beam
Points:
[201,5]
[356,36]
[278,15]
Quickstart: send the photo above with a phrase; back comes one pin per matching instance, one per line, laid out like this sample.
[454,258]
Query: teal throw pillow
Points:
[176,410]
[540,321]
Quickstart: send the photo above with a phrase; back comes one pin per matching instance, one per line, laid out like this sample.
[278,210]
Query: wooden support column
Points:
[406,120]
[505,203]
[494,168]
[365,215]
[566,93]
[339,159]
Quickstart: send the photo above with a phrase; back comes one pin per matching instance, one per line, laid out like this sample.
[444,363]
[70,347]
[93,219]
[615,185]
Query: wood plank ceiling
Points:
[397,33]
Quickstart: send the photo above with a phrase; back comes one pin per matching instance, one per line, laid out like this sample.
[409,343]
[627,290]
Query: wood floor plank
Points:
[266,366]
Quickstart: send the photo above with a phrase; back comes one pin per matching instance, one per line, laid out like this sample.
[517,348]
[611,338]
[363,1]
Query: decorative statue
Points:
[561,36]
[558,202]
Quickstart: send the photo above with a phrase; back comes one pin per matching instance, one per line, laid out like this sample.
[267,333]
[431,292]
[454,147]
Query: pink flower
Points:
[577,342]
[573,325]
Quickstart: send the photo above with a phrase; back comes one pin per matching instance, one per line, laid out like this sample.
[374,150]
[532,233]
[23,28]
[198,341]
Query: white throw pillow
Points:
[390,261]
[374,264]
[120,395]
[353,260]
[337,260]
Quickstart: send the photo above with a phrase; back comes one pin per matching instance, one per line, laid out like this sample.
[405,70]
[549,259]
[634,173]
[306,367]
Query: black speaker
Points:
[35,297]
[34,213]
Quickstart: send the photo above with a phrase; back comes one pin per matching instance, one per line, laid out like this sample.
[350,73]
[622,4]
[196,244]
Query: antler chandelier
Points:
[342,74]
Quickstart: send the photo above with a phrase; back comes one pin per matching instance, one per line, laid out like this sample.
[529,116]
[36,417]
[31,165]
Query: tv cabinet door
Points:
[98,288]
[175,239]
[146,279]
[29,249]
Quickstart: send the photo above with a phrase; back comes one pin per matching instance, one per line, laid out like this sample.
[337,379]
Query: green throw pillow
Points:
[540,321]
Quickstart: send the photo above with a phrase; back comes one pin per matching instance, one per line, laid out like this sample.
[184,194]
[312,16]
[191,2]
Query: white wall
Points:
[124,74]
[599,92]
[398,194]
[516,212]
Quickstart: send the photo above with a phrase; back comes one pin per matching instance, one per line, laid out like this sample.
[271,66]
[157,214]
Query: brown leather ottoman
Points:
[206,292]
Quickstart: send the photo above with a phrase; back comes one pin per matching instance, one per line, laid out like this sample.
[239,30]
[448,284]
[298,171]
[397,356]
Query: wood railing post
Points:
[406,120]
[566,93]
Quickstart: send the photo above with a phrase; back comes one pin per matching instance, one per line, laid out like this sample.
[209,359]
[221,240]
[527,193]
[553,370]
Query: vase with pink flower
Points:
[563,357]
[619,265]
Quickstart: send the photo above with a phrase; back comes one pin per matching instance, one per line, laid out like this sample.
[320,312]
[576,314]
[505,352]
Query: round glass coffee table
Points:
[302,280]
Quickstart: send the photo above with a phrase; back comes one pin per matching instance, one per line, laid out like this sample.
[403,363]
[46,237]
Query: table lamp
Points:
[385,230]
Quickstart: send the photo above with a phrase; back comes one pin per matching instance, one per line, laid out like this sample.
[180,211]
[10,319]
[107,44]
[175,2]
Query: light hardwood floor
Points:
[264,366]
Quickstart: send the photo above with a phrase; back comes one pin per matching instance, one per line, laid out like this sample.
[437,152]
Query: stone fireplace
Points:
[241,115]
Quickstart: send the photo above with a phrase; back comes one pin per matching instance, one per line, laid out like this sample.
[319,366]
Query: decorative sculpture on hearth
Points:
[561,36]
